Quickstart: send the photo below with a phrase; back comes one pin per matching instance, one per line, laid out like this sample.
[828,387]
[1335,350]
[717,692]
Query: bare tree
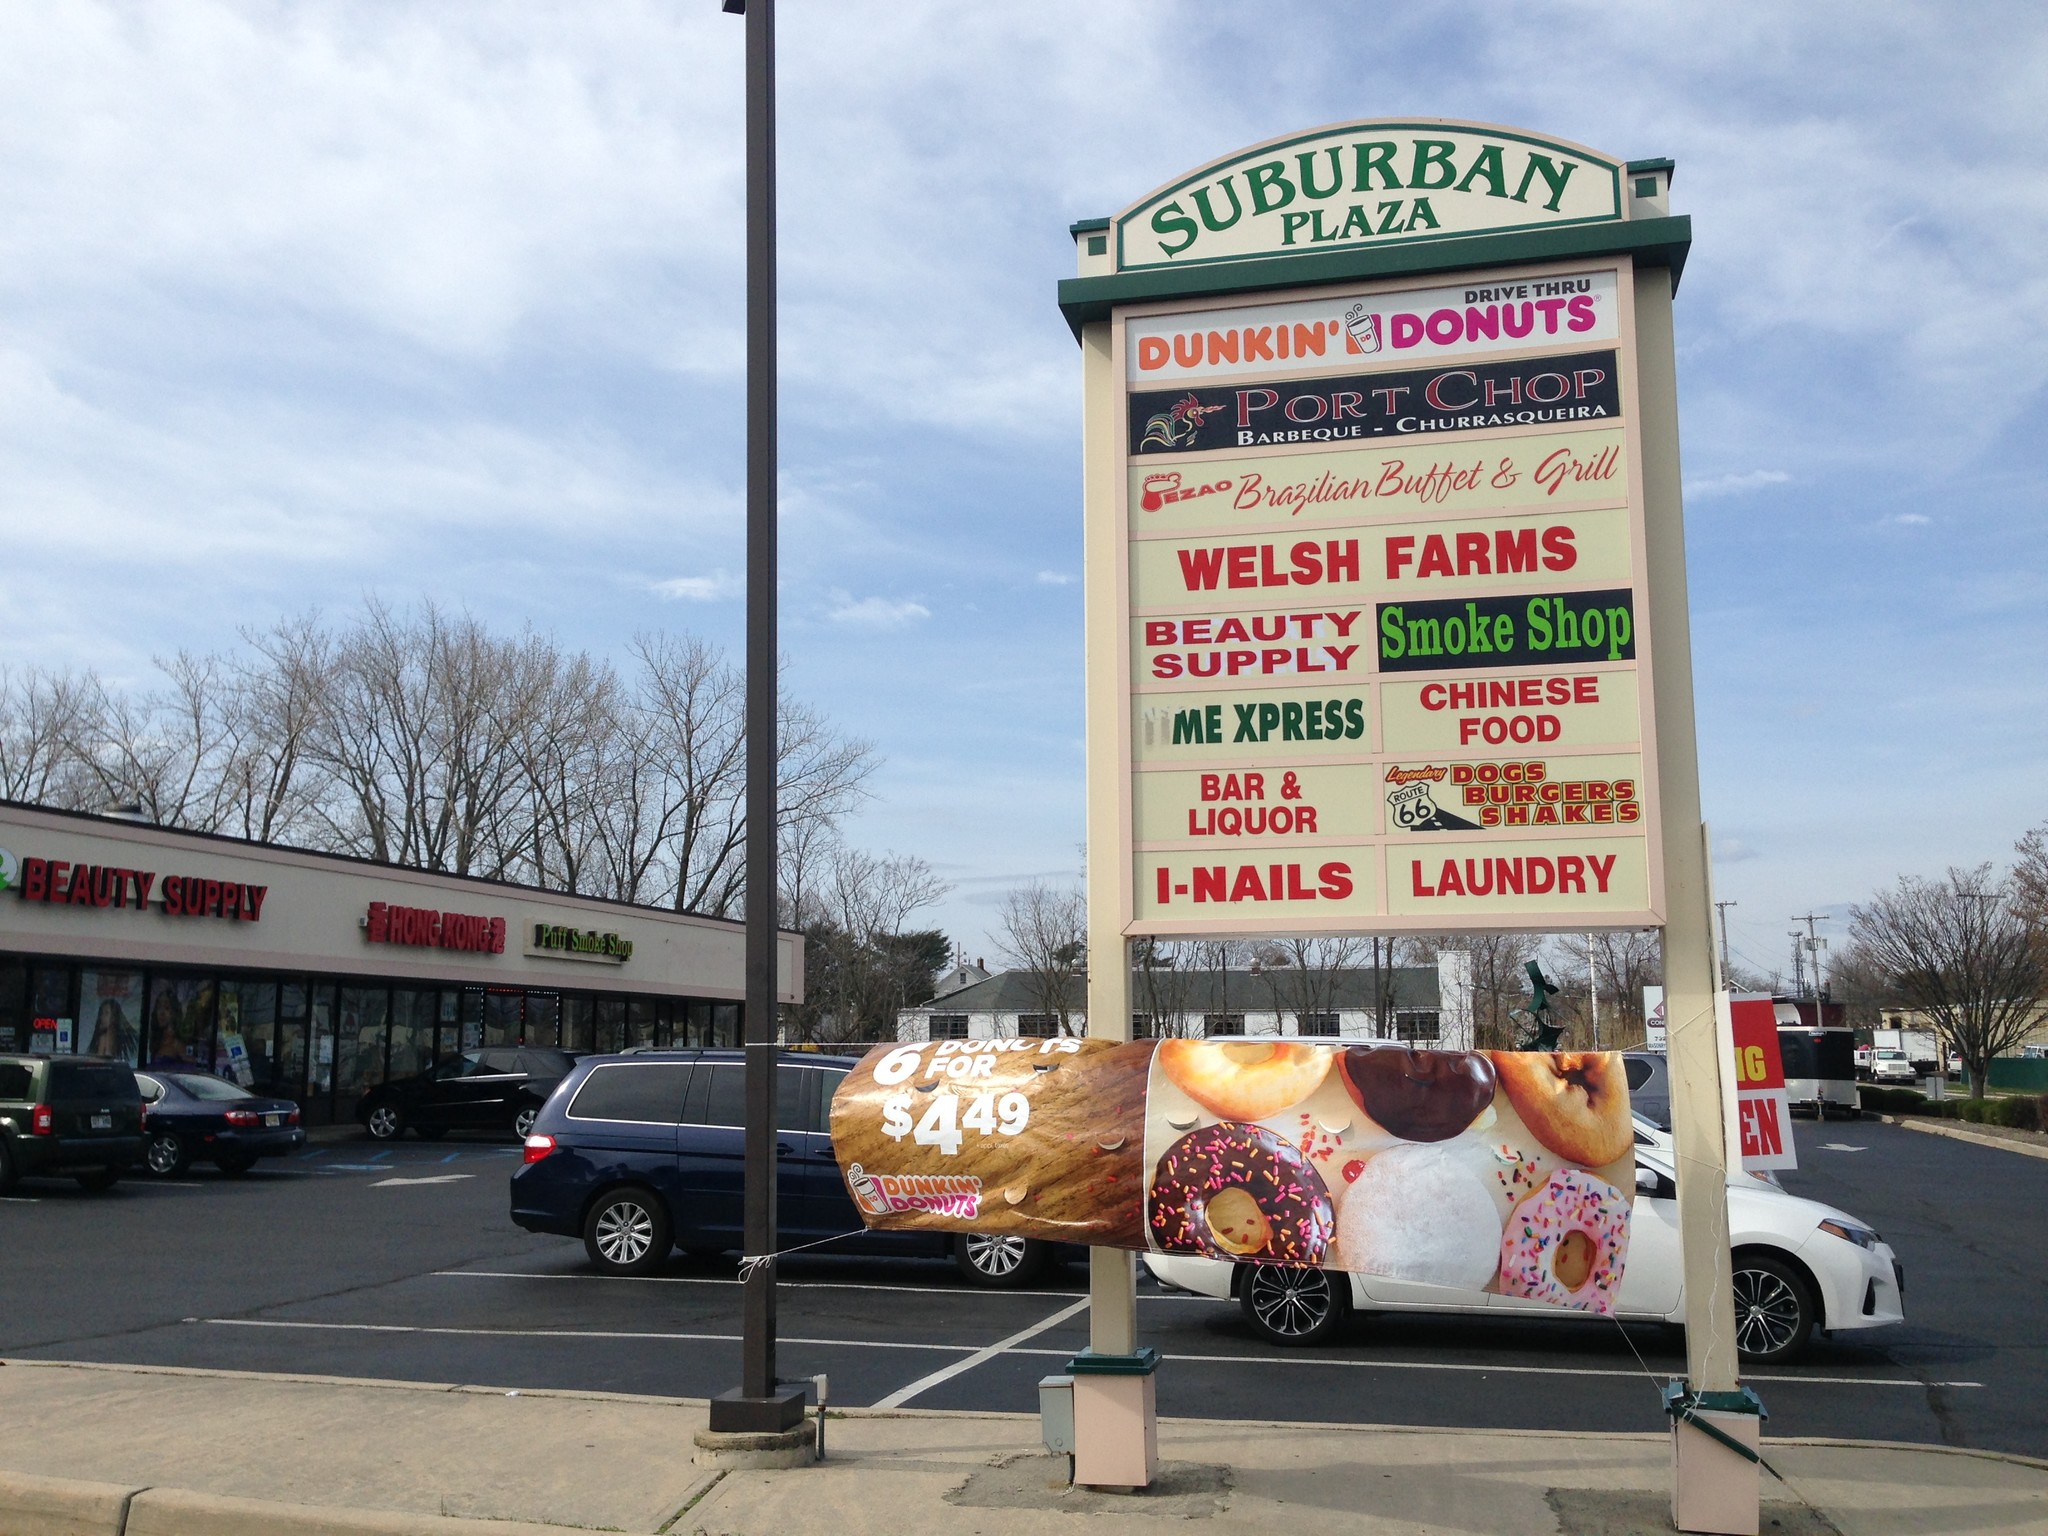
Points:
[1499,984]
[1965,951]
[1304,975]
[862,964]
[41,724]
[1617,964]
[1043,931]
[1162,986]
[2030,872]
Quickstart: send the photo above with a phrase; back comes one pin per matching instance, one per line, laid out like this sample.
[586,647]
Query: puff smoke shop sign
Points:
[1367,184]
[561,941]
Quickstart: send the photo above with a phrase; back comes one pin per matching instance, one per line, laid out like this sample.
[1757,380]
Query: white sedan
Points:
[1799,1265]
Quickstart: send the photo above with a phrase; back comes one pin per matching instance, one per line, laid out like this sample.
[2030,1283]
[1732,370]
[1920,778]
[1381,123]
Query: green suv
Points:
[75,1116]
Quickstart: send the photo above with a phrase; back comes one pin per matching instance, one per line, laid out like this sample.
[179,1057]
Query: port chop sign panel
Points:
[1368,184]
[1380,567]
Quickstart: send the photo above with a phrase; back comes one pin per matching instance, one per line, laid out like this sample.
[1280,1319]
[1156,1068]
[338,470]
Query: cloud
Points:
[875,612]
[1732,850]
[715,588]
[1905,520]
[1734,485]
[1055,579]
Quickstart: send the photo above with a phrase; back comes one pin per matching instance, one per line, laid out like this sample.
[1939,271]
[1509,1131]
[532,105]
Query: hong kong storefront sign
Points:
[119,888]
[426,928]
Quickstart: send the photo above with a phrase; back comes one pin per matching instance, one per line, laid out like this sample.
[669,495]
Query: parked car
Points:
[642,1153]
[1799,1266]
[1649,1086]
[495,1088]
[77,1116]
[195,1114]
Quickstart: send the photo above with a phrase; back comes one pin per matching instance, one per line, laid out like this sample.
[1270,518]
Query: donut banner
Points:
[1497,1171]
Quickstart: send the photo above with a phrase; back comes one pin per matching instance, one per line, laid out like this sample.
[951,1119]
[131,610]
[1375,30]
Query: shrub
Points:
[2020,1112]
[1896,1101]
[1976,1111]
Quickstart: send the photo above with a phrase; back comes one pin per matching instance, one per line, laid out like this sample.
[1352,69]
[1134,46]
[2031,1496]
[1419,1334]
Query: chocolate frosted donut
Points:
[1239,1192]
[1419,1095]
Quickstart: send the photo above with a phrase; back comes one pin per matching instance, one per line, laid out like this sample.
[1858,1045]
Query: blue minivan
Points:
[642,1153]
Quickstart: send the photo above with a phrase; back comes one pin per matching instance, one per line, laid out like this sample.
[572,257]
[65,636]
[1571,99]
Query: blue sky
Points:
[301,302]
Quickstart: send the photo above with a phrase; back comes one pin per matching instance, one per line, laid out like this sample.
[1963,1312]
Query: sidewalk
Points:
[142,1452]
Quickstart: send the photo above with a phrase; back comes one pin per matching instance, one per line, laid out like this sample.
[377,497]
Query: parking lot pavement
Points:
[399,1262]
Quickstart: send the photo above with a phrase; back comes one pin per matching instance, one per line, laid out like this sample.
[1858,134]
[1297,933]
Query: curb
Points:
[1975,1138]
[179,1512]
[62,1506]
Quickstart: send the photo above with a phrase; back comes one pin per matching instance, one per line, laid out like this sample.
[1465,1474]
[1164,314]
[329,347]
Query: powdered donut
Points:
[1244,1079]
[1566,1244]
[1423,1215]
[1239,1192]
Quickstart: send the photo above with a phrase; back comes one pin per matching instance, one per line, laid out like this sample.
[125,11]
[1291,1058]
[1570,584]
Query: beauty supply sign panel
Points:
[1386,645]
[1504,1174]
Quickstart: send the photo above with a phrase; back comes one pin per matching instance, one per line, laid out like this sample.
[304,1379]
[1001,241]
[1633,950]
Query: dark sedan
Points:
[189,1115]
[496,1088]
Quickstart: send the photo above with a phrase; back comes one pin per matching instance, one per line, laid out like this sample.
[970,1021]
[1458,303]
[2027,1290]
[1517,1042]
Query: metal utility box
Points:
[1056,1414]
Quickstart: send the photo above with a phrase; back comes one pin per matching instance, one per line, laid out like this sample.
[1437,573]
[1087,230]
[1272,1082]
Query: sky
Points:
[302,303]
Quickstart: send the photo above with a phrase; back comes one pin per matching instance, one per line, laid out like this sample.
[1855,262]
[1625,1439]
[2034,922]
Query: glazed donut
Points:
[1574,1102]
[1244,1079]
[1418,1095]
[1239,1192]
[1567,1243]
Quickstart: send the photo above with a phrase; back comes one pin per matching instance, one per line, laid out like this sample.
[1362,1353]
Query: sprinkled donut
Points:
[1566,1244]
[1239,1192]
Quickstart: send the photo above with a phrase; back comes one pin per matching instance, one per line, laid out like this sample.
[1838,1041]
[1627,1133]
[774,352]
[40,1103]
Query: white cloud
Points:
[875,612]
[1055,579]
[716,587]
[1906,520]
[1734,485]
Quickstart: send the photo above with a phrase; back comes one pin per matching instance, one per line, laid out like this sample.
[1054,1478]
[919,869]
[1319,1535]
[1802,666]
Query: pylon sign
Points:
[1369,642]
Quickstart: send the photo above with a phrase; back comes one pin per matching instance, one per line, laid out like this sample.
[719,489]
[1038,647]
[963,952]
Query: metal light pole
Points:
[757,1406]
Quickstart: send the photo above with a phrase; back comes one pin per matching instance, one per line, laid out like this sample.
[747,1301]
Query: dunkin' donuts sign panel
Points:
[1372,538]
[1492,1172]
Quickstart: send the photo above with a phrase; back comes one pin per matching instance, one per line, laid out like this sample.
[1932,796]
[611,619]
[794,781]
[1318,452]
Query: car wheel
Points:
[235,1162]
[99,1179]
[385,1123]
[167,1155]
[1774,1312]
[1286,1305]
[999,1262]
[627,1233]
[522,1123]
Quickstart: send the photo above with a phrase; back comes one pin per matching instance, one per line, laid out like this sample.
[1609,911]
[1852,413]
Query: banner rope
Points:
[750,1264]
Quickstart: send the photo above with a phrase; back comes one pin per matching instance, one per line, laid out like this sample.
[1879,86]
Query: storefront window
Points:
[725,1024]
[611,1023]
[52,1024]
[640,1021]
[13,1006]
[413,1015]
[321,1081]
[576,1024]
[180,1030]
[504,1017]
[289,1079]
[543,1018]
[664,1023]
[248,1028]
[472,1019]
[110,1002]
[359,1053]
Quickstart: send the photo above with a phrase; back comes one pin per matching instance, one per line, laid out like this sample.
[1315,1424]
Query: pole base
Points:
[729,1453]
[735,1414]
[1116,1419]
[1714,1460]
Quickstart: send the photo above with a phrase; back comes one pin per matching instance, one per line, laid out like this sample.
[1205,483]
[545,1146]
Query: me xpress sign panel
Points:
[1367,183]
[1383,580]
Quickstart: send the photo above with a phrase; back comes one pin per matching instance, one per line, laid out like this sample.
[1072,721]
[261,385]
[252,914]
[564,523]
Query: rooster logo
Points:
[1177,427]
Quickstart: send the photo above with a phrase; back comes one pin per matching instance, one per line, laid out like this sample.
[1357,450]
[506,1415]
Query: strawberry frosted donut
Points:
[1566,1244]
[1239,1192]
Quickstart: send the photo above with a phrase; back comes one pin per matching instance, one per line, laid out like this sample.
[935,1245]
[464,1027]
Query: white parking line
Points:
[786,1285]
[903,1395]
[569,1333]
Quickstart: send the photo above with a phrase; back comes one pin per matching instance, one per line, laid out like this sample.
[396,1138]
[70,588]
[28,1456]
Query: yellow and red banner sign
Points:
[1763,1110]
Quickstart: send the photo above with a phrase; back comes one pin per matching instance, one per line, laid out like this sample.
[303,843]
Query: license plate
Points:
[103,1121]
[273,1119]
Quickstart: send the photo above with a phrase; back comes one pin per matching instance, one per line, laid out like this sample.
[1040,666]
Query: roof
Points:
[1414,986]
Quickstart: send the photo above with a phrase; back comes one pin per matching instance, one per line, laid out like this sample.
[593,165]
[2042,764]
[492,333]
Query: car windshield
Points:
[210,1087]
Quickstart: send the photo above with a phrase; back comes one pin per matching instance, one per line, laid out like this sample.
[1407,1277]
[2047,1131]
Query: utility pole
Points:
[1721,912]
[1593,989]
[1814,945]
[758,1405]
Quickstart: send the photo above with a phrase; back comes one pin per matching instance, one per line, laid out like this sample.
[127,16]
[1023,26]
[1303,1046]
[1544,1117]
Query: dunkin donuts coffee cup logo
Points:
[942,1194]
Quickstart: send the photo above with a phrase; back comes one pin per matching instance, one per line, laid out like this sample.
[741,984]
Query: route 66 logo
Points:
[1411,810]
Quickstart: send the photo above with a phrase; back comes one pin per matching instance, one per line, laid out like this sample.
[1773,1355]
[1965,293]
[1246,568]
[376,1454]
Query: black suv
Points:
[79,1116]
[495,1088]
[642,1153]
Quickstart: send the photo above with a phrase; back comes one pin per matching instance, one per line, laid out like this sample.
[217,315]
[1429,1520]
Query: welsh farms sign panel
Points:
[1367,184]
[1381,589]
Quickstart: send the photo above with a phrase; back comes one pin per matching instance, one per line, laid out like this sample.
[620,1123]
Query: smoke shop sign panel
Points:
[1368,184]
[1381,565]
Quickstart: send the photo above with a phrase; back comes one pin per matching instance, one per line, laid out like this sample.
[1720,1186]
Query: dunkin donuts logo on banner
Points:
[939,1194]
[1429,322]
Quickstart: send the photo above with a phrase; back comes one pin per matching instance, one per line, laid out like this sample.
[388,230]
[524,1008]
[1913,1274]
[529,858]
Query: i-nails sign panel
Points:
[1366,184]
[1384,593]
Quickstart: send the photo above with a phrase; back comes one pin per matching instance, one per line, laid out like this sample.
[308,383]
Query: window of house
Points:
[1038,1026]
[949,1026]
[1315,1023]
[1416,1026]
[1222,1024]
[1141,1026]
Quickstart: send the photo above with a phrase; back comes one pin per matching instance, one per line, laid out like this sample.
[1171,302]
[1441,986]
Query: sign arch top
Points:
[1372,182]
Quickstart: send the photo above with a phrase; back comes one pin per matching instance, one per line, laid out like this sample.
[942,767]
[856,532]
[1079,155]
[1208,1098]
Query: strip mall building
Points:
[317,976]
